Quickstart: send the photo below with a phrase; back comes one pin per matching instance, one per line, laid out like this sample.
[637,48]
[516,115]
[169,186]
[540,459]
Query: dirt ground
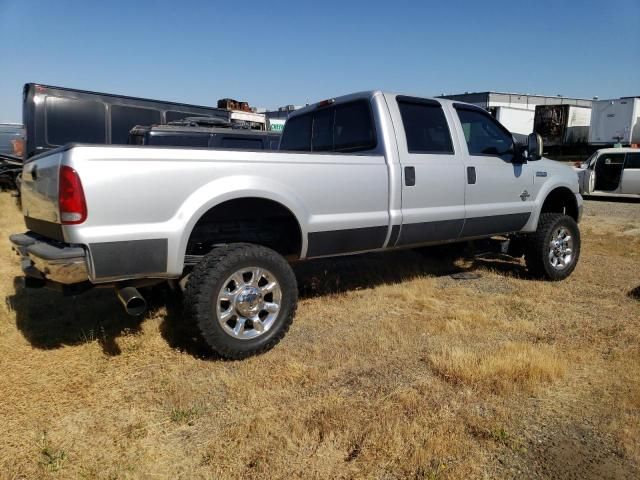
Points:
[392,369]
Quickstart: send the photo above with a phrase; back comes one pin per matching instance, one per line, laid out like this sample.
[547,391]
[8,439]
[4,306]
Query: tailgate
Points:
[39,189]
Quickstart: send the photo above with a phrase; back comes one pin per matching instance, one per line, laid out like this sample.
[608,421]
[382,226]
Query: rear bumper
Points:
[46,259]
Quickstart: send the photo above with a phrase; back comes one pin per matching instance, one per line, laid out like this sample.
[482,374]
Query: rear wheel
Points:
[552,252]
[243,298]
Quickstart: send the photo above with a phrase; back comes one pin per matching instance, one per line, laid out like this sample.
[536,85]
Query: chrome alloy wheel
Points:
[248,303]
[561,248]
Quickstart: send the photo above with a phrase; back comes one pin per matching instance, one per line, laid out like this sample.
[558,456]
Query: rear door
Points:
[432,172]
[499,194]
[631,174]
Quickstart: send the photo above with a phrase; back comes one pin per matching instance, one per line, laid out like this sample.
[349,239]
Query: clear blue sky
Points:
[273,53]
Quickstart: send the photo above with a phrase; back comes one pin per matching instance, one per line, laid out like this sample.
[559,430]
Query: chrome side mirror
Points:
[534,146]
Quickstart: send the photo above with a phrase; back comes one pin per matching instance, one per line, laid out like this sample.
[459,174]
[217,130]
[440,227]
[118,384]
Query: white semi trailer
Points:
[615,122]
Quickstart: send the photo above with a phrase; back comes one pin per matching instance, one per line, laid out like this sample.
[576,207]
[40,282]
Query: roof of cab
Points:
[619,150]
[366,94]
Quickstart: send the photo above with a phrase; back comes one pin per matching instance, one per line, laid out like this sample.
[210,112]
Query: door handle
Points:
[471,175]
[409,176]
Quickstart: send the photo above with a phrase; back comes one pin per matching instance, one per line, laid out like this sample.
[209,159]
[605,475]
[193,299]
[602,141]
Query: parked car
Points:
[193,132]
[610,171]
[370,171]
[55,116]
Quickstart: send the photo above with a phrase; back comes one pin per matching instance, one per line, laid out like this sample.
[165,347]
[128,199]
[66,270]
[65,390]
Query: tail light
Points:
[71,201]
[18,147]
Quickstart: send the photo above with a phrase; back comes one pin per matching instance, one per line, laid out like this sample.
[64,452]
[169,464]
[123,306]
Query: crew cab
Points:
[371,171]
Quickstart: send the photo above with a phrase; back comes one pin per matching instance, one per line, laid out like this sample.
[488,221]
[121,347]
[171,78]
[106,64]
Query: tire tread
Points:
[202,281]
[536,247]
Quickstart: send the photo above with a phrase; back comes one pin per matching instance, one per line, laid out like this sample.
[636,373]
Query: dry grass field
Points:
[393,369]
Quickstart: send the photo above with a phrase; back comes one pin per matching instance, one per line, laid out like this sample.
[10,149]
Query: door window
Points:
[425,127]
[485,136]
[632,161]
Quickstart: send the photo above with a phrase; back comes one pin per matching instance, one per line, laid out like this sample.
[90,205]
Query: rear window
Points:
[244,143]
[297,134]
[68,120]
[347,127]
[124,118]
[180,140]
[425,127]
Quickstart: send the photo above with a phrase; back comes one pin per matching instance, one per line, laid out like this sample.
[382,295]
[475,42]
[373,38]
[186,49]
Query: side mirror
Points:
[534,146]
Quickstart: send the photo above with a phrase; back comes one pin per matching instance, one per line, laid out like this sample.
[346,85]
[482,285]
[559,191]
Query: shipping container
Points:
[562,124]
[615,122]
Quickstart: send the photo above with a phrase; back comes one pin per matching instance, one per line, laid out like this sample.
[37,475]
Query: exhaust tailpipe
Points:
[134,303]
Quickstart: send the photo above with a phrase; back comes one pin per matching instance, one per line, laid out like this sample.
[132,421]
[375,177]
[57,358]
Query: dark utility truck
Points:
[203,132]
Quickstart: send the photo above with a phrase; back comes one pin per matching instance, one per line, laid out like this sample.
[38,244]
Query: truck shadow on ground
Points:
[49,321]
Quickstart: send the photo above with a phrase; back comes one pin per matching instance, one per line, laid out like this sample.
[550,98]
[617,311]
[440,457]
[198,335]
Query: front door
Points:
[608,171]
[500,193]
[432,172]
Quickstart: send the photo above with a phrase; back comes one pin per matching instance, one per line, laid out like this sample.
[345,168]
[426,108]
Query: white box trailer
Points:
[516,120]
[615,122]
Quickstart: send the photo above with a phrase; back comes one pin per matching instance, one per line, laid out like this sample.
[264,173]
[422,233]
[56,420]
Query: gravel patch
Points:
[621,209]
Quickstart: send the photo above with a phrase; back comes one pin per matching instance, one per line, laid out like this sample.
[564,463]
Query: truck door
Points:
[432,172]
[499,194]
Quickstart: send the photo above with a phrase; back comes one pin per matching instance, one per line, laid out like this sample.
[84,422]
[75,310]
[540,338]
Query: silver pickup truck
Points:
[364,172]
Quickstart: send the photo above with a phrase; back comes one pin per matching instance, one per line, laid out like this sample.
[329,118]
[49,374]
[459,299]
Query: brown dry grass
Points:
[391,370]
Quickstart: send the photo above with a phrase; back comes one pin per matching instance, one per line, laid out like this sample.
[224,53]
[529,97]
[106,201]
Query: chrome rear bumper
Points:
[47,259]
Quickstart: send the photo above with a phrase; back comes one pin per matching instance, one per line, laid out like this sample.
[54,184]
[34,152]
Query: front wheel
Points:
[552,251]
[242,298]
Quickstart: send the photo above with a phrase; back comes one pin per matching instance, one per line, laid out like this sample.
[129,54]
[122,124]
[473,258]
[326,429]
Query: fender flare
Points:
[542,196]
[232,188]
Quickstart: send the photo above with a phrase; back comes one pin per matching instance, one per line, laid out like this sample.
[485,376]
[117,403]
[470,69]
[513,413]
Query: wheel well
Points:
[561,200]
[252,220]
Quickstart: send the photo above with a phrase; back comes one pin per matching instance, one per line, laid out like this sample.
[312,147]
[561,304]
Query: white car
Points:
[610,171]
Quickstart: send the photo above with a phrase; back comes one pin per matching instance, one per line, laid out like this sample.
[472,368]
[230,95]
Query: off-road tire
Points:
[537,247]
[206,280]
